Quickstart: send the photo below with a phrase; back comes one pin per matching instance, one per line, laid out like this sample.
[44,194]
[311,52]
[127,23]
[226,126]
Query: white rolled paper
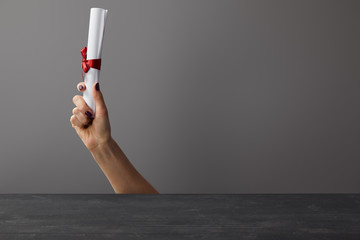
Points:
[94,48]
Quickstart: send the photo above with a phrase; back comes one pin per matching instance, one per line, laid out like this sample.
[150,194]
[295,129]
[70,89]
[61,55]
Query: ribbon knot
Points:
[90,63]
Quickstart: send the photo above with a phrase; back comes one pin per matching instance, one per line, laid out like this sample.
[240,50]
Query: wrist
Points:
[103,148]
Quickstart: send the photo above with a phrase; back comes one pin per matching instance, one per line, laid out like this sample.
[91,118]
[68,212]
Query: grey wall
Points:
[204,96]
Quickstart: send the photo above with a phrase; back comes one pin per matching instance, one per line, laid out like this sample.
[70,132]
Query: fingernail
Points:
[81,87]
[88,114]
[97,86]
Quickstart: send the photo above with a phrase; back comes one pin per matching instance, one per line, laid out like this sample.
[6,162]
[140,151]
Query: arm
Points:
[122,175]
[96,135]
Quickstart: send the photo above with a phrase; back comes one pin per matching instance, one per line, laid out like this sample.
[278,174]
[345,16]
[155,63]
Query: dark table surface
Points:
[173,216]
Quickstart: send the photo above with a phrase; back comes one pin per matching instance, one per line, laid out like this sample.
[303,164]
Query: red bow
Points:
[87,64]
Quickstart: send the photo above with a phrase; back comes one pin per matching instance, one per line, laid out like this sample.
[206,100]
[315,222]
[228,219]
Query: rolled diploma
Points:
[94,47]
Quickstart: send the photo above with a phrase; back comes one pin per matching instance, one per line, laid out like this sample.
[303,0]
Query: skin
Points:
[96,135]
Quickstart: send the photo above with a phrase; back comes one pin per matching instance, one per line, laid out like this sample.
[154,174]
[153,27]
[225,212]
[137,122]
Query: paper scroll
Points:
[94,49]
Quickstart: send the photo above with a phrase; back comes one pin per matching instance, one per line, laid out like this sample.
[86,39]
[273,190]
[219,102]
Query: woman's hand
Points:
[94,132]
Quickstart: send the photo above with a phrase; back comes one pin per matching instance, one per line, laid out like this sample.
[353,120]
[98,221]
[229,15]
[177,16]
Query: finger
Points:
[81,104]
[75,122]
[99,100]
[84,118]
[81,86]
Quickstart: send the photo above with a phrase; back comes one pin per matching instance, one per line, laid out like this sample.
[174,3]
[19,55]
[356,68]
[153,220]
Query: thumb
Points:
[100,107]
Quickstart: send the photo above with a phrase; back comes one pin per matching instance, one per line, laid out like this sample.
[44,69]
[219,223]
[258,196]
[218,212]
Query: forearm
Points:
[122,175]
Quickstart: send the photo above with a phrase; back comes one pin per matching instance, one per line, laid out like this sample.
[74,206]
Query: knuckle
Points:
[75,111]
[75,98]
[72,120]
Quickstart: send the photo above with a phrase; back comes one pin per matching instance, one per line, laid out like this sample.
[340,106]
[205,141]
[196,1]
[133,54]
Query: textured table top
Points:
[173,216]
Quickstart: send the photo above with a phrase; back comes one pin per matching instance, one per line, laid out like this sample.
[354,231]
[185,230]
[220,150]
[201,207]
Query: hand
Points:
[96,131]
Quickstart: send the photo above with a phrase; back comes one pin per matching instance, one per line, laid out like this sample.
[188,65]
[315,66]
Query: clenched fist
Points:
[96,131]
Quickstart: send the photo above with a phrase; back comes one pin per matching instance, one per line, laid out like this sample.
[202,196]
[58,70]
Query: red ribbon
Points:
[87,64]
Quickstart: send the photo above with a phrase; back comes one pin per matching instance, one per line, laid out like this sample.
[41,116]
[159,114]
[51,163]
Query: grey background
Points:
[204,96]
